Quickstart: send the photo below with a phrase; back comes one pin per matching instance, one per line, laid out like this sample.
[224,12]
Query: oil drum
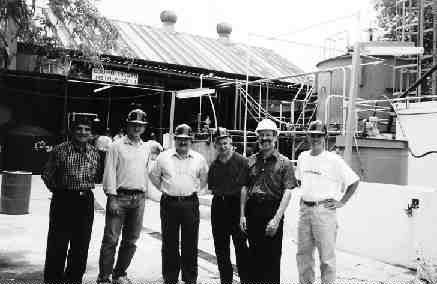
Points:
[15,192]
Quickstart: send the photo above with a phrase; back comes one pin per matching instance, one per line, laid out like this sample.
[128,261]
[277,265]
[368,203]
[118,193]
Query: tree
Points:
[91,33]
[400,23]
[391,18]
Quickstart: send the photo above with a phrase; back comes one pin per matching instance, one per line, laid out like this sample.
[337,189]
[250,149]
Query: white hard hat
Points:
[266,124]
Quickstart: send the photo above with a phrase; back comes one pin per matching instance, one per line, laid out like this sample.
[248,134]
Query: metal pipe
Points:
[172,109]
[434,45]
[259,101]
[344,108]
[235,105]
[199,119]
[109,110]
[355,89]
[245,107]
[213,111]
[420,44]
[327,101]
[267,97]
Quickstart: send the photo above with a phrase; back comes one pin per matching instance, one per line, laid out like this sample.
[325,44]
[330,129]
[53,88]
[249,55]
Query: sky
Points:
[305,32]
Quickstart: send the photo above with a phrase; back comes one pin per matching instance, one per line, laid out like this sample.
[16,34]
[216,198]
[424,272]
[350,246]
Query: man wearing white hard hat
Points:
[125,183]
[322,175]
[271,180]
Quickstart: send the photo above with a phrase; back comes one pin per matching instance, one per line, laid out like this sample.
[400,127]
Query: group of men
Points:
[250,196]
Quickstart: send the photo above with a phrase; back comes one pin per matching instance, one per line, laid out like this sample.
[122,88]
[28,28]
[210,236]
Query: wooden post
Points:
[354,91]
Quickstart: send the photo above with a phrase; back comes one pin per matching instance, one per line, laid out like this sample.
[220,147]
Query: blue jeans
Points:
[129,222]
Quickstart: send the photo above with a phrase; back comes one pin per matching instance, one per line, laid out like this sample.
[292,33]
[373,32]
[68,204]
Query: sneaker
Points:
[121,280]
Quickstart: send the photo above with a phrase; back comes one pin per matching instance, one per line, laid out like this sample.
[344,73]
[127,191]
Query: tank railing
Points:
[343,107]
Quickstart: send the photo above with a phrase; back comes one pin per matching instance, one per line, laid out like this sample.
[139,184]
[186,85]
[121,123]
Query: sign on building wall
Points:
[114,76]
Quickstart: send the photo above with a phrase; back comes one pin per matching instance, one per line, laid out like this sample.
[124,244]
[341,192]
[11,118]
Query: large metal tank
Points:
[377,78]
[379,160]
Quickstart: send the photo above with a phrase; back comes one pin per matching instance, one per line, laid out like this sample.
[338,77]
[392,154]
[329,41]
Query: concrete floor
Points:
[23,241]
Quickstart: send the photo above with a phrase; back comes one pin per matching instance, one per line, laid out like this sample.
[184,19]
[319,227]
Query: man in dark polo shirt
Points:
[227,175]
[271,179]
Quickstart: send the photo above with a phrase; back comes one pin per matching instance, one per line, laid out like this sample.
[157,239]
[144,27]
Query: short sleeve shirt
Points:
[180,176]
[228,178]
[323,176]
[71,167]
[270,177]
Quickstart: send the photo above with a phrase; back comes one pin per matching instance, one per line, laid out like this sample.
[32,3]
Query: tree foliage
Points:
[390,18]
[91,34]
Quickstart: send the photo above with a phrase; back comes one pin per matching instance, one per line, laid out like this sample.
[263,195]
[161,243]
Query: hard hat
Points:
[183,131]
[316,127]
[221,132]
[266,124]
[77,118]
[137,116]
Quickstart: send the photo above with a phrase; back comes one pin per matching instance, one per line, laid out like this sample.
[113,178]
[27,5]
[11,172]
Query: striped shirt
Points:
[71,167]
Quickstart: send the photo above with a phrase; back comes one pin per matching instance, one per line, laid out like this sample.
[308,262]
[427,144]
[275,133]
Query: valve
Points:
[413,205]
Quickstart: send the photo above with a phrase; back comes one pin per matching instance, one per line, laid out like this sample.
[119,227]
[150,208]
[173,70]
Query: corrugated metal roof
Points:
[165,46]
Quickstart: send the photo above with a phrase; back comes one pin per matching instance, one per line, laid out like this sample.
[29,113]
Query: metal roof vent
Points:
[224,30]
[168,19]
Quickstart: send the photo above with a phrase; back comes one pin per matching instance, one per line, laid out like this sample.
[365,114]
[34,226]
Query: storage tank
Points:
[377,78]
[26,148]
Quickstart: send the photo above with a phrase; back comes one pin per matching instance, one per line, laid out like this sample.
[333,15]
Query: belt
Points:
[224,197]
[75,192]
[315,203]
[179,198]
[126,191]
[262,198]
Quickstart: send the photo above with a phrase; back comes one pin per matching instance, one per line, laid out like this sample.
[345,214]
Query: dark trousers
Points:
[129,223]
[70,224]
[264,251]
[225,222]
[179,215]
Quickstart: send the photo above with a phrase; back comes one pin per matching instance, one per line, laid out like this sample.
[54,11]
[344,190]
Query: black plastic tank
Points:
[26,148]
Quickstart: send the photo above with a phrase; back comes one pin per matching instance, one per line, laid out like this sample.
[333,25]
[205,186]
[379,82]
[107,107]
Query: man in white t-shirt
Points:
[323,176]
